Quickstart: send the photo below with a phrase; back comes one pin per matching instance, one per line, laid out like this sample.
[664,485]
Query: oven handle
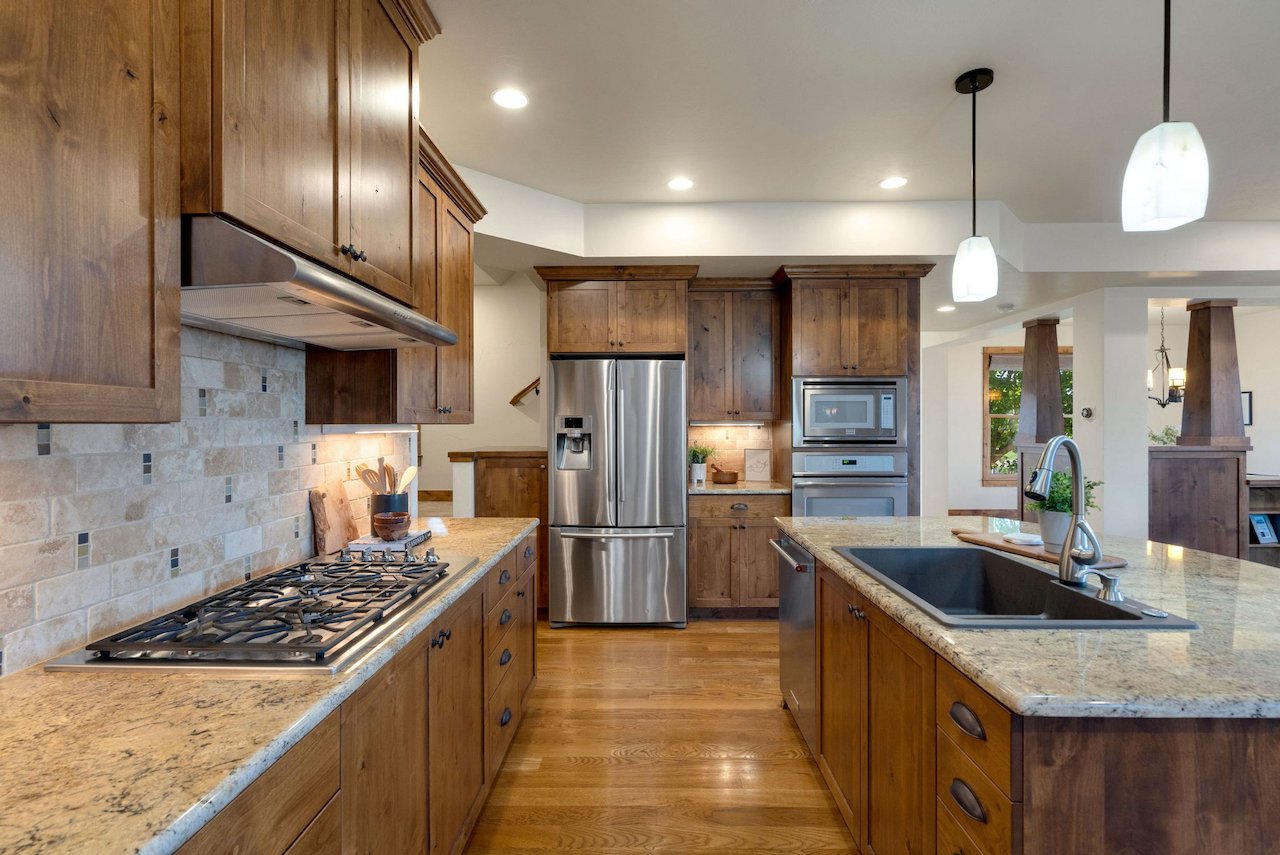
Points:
[849,481]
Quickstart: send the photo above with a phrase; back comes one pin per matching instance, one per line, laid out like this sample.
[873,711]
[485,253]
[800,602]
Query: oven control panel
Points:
[849,462]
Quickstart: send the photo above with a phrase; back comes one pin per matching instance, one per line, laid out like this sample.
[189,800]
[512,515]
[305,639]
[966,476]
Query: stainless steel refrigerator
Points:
[618,492]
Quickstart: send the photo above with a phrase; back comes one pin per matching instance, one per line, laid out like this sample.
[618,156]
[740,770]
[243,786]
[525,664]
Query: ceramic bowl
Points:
[392,525]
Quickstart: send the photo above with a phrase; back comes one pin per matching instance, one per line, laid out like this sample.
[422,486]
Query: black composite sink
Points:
[975,587]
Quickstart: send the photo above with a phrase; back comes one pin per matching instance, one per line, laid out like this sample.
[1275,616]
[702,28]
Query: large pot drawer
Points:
[501,578]
[975,802]
[502,718]
[754,506]
[981,727]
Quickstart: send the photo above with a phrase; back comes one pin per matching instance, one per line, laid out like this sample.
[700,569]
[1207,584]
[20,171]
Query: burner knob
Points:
[431,556]
[345,554]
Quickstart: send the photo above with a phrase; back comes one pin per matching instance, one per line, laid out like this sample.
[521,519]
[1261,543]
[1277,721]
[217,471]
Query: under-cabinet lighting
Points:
[725,424]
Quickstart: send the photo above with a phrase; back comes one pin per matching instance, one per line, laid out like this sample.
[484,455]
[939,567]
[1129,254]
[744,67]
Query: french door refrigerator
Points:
[617,492]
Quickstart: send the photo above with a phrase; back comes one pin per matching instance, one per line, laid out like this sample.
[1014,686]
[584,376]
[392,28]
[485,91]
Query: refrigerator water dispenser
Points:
[573,442]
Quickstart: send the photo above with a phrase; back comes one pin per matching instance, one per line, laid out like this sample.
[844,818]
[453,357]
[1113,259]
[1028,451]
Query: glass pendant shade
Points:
[1167,181]
[975,276]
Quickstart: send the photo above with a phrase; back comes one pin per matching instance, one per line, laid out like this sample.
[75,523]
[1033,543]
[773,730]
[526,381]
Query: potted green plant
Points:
[698,456]
[1055,510]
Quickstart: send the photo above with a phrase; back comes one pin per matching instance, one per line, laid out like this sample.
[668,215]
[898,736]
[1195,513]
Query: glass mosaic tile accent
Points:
[280,454]
[202,405]
[42,439]
[264,381]
[82,550]
[146,467]
[226,490]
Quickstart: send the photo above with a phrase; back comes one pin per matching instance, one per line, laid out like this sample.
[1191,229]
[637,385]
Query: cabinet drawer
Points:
[512,651]
[502,719]
[527,554]
[503,618]
[981,727]
[975,802]
[764,507]
[270,814]
[952,839]
[501,579]
[324,835]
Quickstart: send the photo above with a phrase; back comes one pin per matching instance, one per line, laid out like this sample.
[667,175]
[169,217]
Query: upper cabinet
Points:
[853,320]
[638,309]
[414,385]
[733,351]
[301,122]
[91,240]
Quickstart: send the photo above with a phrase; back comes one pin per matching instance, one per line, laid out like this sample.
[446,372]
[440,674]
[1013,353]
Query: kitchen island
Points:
[1048,741]
[127,762]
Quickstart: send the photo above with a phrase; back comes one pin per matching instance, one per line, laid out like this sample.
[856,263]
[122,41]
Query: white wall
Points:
[510,351]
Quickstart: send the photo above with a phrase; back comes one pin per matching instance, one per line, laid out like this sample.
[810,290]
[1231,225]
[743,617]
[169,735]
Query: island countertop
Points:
[1229,668]
[121,762]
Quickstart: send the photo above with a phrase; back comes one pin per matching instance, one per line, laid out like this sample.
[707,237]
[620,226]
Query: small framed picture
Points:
[1246,402]
[1263,530]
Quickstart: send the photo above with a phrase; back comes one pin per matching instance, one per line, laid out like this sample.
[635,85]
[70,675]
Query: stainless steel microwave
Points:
[848,410]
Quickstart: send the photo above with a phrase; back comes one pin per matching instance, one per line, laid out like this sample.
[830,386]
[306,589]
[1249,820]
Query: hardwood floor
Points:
[659,740]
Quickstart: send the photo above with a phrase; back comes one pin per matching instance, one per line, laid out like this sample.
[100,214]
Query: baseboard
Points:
[435,495]
[999,513]
[750,613]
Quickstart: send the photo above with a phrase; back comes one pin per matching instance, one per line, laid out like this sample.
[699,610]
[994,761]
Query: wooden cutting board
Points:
[997,541]
[333,524]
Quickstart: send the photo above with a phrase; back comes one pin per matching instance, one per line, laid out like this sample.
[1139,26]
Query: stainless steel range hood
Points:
[236,282]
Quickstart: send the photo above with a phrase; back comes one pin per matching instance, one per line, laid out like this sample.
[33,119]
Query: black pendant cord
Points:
[973,149]
[1168,4]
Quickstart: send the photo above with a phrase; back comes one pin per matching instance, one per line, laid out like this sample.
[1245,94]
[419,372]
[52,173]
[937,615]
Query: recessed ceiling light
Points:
[946,308]
[893,182]
[679,183]
[512,99]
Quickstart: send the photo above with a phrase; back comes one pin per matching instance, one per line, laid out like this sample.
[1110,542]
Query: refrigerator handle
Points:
[624,535]
[622,448]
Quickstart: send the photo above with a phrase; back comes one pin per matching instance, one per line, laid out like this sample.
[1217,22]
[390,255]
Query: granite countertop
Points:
[742,488]
[124,762]
[1229,668]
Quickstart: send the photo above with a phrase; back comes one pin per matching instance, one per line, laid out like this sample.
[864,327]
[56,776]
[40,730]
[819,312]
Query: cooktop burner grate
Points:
[309,611]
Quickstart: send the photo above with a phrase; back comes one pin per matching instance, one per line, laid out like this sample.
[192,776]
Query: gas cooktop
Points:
[316,616]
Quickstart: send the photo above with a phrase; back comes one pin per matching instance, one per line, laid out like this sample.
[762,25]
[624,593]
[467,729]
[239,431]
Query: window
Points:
[1002,394]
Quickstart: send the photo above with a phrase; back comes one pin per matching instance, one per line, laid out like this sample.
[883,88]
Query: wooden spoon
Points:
[389,474]
[406,479]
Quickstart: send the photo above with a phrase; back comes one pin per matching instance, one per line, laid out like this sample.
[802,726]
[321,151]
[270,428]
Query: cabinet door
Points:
[756,336]
[91,212]
[817,327]
[878,312]
[455,720]
[511,486]
[710,355]
[282,163]
[757,563]
[901,736]
[384,146]
[650,316]
[712,576]
[580,317]
[842,688]
[384,759]
[454,309]
[416,398]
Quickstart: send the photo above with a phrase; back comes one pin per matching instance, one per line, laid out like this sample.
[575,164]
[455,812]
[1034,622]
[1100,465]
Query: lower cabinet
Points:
[842,702]
[730,563]
[405,764]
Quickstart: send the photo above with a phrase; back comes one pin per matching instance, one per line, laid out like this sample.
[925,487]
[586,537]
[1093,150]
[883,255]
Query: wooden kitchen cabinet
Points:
[853,320]
[734,338]
[636,309]
[300,121]
[730,563]
[842,688]
[455,721]
[384,758]
[92,234]
[512,483]
[414,385]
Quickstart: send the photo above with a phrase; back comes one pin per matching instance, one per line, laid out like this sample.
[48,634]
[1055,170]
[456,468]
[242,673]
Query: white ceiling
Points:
[778,100]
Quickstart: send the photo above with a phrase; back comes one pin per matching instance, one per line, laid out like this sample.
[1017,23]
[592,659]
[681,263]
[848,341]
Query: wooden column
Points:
[1198,495]
[1211,411]
[1040,412]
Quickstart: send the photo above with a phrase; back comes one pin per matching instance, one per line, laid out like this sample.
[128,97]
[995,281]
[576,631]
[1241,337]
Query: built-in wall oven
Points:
[847,410]
[855,482]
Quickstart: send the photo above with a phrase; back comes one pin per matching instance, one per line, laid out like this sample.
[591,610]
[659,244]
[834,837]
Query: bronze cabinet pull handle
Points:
[506,656]
[504,577]
[738,506]
[506,717]
[967,720]
[506,617]
[967,800]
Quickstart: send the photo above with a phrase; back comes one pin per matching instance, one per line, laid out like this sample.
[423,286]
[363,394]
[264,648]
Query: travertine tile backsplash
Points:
[104,525]
[731,442]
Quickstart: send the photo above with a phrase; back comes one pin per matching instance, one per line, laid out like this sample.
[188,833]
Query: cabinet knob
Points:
[857,613]
[520,594]
[737,413]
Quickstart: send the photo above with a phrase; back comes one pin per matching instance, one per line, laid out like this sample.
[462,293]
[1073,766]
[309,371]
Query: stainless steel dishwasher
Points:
[797,637]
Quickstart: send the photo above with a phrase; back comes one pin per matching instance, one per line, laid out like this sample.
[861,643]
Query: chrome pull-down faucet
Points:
[1073,563]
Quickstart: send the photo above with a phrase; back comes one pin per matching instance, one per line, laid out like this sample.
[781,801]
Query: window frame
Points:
[990,479]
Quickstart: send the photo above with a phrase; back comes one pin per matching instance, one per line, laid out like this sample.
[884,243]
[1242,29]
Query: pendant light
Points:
[1172,380]
[1167,181]
[975,275]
